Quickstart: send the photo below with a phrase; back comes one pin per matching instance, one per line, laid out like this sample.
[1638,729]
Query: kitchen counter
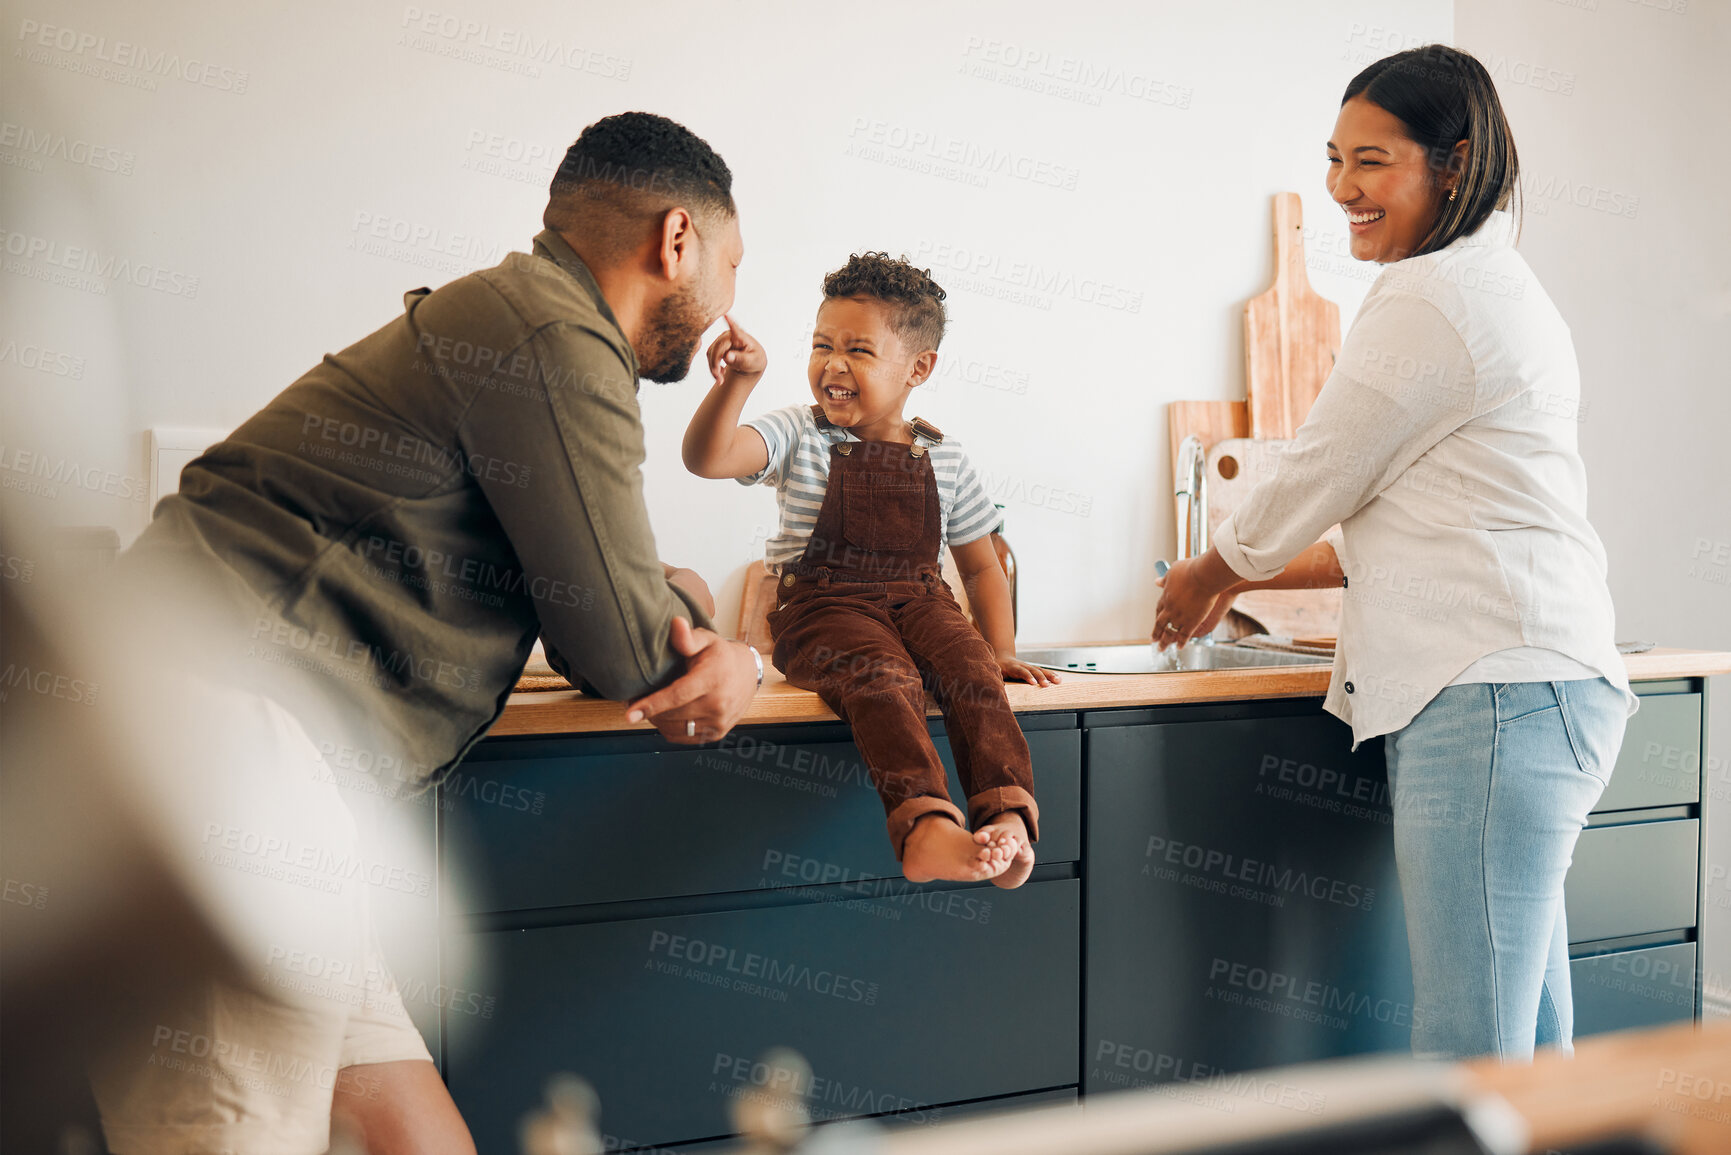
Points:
[1216,893]
[777,703]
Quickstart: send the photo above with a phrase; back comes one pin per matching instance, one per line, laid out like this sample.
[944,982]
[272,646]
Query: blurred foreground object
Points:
[191,887]
[774,1119]
[567,1125]
[100,928]
[1672,1081]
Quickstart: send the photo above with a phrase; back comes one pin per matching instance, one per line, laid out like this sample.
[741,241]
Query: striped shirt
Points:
[799,469]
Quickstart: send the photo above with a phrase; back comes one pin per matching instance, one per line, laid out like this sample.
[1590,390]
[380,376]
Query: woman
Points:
[1477,625]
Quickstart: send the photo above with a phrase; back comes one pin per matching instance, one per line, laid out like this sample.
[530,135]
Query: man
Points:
[373,555]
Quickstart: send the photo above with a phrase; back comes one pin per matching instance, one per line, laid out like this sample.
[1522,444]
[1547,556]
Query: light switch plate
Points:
[169,451]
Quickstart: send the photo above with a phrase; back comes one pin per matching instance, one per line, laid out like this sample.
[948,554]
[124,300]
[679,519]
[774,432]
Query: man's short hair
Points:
[915,300]
[631,167]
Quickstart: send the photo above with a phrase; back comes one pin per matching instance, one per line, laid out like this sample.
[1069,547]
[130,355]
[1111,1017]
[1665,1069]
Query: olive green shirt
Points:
[387,537]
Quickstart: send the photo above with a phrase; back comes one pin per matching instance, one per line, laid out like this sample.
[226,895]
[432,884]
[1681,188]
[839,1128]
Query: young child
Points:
[863,618]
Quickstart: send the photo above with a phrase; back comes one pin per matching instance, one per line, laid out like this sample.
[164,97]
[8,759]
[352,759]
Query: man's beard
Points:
[675,328]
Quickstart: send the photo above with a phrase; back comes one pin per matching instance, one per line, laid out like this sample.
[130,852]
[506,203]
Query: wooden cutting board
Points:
[1237,465]
[1291,338]
[759,596]
[1211,421]
[755,602]
[1291,335]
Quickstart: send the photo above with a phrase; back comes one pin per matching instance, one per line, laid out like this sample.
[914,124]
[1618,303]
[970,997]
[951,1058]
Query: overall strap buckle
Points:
[927,430]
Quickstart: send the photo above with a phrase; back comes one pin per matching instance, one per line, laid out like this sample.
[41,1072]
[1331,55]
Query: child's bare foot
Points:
[1006,840]
[937,848]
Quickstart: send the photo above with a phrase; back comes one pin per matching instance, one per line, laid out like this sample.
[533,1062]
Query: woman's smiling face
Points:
[1384,181]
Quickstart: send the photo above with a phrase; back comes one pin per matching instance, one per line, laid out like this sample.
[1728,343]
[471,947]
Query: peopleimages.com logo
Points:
[1227,868]
[722,964]
[120,59]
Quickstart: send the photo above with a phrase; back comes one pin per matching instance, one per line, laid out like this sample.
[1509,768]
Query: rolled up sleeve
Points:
[1403,382]
[562,470]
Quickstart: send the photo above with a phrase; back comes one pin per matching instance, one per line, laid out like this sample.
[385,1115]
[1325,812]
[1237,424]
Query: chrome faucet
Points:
[1191,492]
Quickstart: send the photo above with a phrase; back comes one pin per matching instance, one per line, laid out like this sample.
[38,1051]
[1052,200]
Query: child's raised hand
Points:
[1016,670]
[736,353]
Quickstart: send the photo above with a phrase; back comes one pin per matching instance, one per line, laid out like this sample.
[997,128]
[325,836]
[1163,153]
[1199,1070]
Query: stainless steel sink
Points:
[1142,658]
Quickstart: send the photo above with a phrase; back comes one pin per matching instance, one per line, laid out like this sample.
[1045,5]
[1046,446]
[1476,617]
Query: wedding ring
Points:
[1170,628]
[691,729]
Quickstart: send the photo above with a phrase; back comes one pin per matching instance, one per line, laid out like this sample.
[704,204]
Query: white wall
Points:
[1150,176]
[1628,230]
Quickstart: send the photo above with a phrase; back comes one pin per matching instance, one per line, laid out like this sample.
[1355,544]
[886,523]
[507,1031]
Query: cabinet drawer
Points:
[1660,763]
[1635,878]
[1633,988]
[577,828]
[665,1016]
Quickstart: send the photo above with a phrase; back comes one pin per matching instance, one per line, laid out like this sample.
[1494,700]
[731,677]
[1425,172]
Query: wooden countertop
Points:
[568,712]
[1675,1080]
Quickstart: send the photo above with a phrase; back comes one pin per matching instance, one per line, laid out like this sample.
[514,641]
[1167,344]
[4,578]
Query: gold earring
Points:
[1452,193]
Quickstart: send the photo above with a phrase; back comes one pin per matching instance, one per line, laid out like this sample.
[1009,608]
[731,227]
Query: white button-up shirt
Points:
[1444,443]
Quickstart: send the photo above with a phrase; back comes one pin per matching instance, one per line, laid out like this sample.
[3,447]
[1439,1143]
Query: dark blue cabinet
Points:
[548,824]
[1243,909]
[655,918]
[1216,893]
[1624,989]
[899,1007]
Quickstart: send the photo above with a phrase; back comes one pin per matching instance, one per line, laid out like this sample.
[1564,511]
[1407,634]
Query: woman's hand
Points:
[1015,669]
[1197,594]
[1222,607]
[1194,596]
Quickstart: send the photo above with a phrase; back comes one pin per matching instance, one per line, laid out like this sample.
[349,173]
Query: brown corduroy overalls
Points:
[865,620]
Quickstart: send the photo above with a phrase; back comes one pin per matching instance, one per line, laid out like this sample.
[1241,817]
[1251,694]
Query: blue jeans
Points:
[1491,785]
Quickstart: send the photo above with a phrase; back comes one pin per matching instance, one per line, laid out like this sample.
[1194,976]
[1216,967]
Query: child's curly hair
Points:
[916,302]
